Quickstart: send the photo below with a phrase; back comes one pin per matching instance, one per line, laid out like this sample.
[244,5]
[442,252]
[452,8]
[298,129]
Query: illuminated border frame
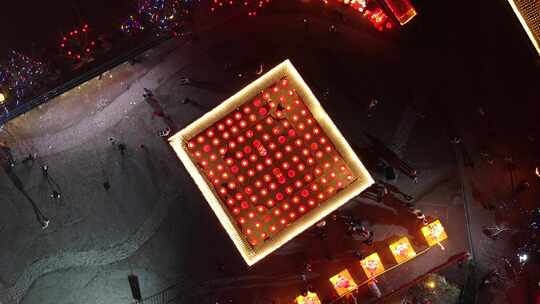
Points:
[525,26]
[285,69]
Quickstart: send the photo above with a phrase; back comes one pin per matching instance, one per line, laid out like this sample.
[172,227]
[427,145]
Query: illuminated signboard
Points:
[343,282]
[270,162]
[528,14]
[402,250]
[372,265]
[310,298]
[434,233]
[403,10]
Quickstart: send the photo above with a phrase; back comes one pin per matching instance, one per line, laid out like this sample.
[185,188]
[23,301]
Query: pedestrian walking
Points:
[185,81]
[122,148]
[55,194]
[147,93]
[45,170]
[372,106]
[164,132]
[5,154]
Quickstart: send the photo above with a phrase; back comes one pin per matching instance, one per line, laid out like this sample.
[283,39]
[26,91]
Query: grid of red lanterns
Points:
[269,162]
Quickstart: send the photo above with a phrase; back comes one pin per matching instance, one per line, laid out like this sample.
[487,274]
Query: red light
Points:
[305,193]
[263,235]
[295,159]
[241,220]
[243,124]
[275,89]
[285,206]
[291,133]
[292,215]
[234,129]
[245,163]
[311,202]
[237,116]
[251,215]
[262,111]
[228,122]
[270,203]
[238,196]
[204,163]
[221,127]
[291,93]
[302,209]
[279,196]
[296,199]
[259,167]
[273,228]
[277,212]
[248,231]
[298,184]
[291,173]
[308,177]
[230,202]
[207,148]
[232,185]
[239,154]
[284,82]
[257,102]
[257,225]
[236,210]
[283,221]
[282,139]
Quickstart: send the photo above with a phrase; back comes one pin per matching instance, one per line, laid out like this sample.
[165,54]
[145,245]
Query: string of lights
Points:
[21,74]
[250,6]
[132,26]
[164,15]
[79,44]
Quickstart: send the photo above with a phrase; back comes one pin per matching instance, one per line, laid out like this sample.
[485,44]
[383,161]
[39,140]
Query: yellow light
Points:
[537,171]
[434,233]
[343,282]
[372,265]
[528,14]
[310,298]
[402,250]
[430,284]
[2,98]
[363,179]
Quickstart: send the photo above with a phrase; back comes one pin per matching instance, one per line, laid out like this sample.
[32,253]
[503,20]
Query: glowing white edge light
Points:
[525,26]
[285,69]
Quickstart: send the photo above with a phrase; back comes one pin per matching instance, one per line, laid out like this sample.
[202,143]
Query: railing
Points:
[70,84]
[168,295]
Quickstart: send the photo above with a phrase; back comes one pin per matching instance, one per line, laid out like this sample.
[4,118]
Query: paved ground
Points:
[154,223]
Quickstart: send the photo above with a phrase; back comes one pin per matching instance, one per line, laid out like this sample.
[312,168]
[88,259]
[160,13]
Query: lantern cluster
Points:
[251,6]
[79,44]
[132,26]
[270,162]
[163,15]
